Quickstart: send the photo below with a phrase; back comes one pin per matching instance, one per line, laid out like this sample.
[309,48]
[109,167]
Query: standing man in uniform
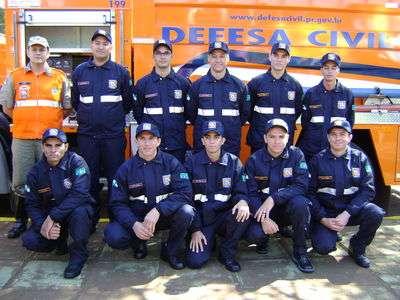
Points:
[151,191]
[102,96]
[219,96]
[36,97]
[274,94]
[277,183]
[341,189]
[58,202]
[220,197]
[161,100]
[326,102]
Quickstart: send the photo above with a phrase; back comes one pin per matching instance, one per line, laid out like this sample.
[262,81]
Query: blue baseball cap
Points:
[162,42]
[102,32]
[276,123]
[54,133]
[149,128]
[215,126]
[280,46]
[218,46]
[330,57]
[344,124]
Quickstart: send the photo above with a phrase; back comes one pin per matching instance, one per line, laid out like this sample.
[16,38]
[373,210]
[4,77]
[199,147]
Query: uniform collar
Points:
[338,87]
[211,78]
[155,77]
[268,157]
[157,159]
[284,77]
[47,69]
[205,160]
[346,155]
[107,65]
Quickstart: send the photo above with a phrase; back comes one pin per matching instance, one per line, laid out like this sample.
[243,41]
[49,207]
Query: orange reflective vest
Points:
[38,102]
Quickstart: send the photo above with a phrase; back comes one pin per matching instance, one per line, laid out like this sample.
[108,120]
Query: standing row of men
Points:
[103,93]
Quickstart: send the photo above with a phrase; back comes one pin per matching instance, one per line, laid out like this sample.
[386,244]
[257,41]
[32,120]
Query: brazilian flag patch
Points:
[183,175]
[303,165]
[80,171]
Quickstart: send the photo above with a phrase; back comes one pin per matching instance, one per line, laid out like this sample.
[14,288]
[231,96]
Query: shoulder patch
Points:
[303,165]
[80,171]
[183,175]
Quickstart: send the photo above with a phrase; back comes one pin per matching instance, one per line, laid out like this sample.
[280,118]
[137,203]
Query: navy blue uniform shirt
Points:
[217,186]
[141,185]
[340,184]
[225,100]
[282,178]
[321,107]
[57,191]
[272,98]
[101,96]
[162,101]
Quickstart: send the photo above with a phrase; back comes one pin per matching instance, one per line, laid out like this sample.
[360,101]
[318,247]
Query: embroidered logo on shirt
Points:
[341,104]
[355,172]
[291,95]
[226,182]
[368,168]
[205,95]
[178,94]
[112,84]
[233,96]
[166,179]
[115,183]
[80,171]
[134,97]
[287,172]
[248,98]
[24,91]
[188,97]
[27,188]
[67,183]
[303,165]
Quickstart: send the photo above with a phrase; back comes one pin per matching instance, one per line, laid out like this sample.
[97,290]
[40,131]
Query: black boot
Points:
[21,218]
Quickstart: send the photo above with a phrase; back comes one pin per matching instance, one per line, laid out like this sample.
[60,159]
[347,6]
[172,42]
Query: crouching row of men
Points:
[213,194]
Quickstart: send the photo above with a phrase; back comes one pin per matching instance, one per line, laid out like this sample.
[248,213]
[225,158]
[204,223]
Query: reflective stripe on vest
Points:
[264,110]
[317,119]
[176,109]
[327,190]
[205,112]
[350,191]
[265,191]
[110,98]
[200,197]
[221,197]
[153,110]
[337,118]
[287,110]
[230,112]
[86,100]
[162,197]
[33,103]
[138,198]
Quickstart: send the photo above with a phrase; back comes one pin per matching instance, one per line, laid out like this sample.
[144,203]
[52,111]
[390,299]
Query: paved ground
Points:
[117,275]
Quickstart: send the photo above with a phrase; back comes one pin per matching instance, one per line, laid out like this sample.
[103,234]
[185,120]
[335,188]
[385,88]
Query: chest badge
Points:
[291,95]
[24,91]
[67,183]
[178,94]
[287,172]
[166,179]
[233,96]
[226,182]
[355,172]
[112,84]
[341,104]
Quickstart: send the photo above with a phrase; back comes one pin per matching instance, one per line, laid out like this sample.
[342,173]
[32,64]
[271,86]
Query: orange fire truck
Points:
[363,32]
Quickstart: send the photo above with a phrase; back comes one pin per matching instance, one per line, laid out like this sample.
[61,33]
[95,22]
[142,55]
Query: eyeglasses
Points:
[159,53]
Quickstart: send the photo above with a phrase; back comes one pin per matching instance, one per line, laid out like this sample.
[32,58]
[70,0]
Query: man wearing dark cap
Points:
[58,202]
[161,98]
[101,95]
[326,102]
[220,197]
[341,189]
[36,97]
[150,191]
[219,96]
[277,183]
[274,94]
